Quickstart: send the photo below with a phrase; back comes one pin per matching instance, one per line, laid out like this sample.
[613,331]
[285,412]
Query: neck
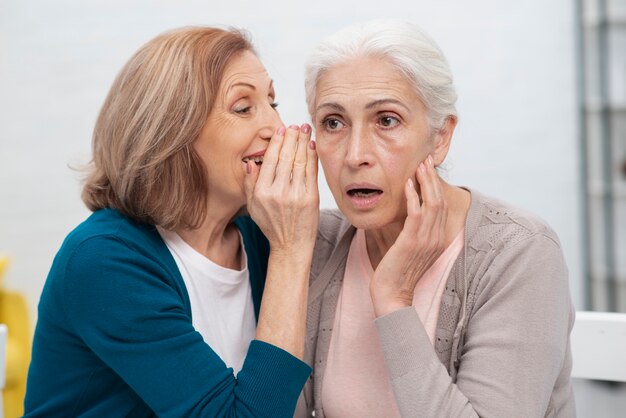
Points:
[380,240]
[217,237]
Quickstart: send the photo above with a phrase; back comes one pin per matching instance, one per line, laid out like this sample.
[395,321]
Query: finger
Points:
[434,203]
[250,180]
[428,207]
[427,185]
[287,155]
[434,178]
[270,159]
[413,209]
[311,167]
[299,163]
[438,187]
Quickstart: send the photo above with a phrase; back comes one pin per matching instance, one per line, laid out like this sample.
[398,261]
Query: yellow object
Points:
[14,314]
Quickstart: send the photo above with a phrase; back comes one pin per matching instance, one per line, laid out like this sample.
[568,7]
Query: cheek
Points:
[331,166]
[331,169]
[326,156]
[399,165]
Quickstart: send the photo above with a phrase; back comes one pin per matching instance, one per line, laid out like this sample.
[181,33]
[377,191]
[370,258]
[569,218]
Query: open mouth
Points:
[256,160]
[364,192]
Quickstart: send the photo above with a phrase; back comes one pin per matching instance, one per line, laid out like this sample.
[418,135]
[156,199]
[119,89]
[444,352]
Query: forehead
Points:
[245,68]
[365,80]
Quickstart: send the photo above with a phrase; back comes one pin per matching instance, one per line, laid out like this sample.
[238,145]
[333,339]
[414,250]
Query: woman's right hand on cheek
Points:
[418,246]
[282,194]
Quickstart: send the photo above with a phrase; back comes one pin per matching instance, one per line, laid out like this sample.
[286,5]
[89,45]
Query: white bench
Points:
[599,346]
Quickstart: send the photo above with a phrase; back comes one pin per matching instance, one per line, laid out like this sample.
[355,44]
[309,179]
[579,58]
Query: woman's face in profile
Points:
[239,127]
[371,134]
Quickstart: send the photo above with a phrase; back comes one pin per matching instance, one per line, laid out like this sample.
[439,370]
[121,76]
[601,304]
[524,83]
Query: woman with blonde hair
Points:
[152,306]
[427,299]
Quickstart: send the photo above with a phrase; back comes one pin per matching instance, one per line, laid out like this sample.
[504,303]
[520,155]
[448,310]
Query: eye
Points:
[242,110]
[332,124]
[388,121]
[274,105]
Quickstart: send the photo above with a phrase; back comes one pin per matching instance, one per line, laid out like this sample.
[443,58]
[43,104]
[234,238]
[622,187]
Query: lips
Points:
[363,195]
[257,157]
[363,190]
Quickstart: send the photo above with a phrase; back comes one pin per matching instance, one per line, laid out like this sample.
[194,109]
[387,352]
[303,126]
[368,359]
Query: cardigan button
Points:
[313,413]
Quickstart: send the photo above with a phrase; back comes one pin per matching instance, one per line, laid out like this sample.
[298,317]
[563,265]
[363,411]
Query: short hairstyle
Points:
[406,46]
[143,162]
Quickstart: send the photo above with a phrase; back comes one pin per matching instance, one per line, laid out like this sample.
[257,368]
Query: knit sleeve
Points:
[517,342]
[127,309]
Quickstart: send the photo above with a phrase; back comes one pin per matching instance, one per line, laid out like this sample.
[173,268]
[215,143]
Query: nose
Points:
[269,123]
[358,148]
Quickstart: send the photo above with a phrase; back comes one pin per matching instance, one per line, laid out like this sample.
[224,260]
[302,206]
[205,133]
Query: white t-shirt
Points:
[221,300]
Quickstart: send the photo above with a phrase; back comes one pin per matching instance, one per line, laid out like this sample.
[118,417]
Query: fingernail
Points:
[312,144]
[281,130]
[430,160]
[409,183]
[422,167]
[248,169]
[296,127]
[305,128]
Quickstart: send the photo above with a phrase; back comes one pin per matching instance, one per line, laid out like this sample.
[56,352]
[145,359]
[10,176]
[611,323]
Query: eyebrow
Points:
[253,87]
[333,106]
[385,101]
[339,108]
[241,84]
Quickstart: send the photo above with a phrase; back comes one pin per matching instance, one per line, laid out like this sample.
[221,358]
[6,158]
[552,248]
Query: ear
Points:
[442,139]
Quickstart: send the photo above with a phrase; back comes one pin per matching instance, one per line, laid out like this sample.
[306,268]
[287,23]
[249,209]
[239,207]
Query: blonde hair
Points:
[143,161]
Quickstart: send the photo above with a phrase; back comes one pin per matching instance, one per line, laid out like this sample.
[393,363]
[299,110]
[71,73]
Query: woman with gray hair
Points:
[426,299]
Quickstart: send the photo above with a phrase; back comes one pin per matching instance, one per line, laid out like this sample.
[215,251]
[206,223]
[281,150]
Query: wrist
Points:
[386,301]
[294,263]
[389,307]
[297,251]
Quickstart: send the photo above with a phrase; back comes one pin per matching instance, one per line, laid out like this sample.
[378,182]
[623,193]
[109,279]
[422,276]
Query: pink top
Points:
[356,383]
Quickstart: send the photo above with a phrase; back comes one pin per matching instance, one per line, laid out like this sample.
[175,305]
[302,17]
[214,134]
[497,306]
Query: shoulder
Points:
[106,256]
[108,237]
[510,248]
[110,224]
[497,224]
[332,226]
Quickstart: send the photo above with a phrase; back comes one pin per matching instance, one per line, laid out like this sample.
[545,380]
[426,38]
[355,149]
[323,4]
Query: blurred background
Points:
[542,106]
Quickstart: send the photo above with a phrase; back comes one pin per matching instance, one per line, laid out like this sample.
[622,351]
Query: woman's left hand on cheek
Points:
[418,246]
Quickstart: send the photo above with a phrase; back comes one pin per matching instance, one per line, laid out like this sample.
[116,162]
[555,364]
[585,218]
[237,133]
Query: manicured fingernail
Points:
[409,183]
[248,168]
[312,144]
[281,130]
[296,127]
[422,167]
[430,160]
[305,128]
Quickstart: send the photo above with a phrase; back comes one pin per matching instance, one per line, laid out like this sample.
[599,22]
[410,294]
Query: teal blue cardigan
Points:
[114,336]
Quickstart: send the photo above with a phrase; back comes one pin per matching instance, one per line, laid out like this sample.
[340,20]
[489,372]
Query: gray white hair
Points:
[406,46]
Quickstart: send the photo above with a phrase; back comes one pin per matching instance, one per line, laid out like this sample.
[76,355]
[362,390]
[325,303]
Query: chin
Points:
[368,220]
[376,218]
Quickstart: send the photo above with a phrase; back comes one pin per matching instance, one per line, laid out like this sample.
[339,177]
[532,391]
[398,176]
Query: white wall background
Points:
[514,64]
